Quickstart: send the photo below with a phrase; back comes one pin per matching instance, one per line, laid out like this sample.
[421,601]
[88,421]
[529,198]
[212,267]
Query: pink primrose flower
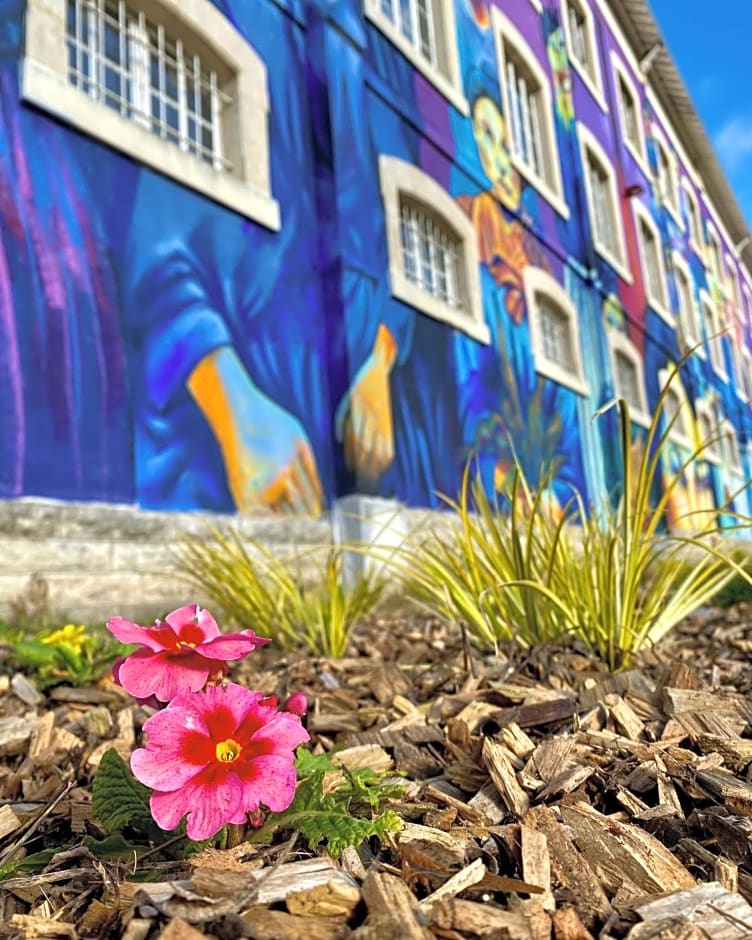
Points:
[218,755]
[178,654]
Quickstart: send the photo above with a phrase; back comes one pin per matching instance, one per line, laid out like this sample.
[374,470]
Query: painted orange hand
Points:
[363,421]
[268,459]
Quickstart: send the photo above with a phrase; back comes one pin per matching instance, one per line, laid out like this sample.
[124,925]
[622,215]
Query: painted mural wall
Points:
[158,348]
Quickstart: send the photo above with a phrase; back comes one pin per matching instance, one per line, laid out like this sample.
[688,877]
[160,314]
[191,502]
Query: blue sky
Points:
[711,46]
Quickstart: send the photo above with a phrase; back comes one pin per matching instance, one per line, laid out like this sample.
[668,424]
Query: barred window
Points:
[425,31]
[528,107]
[555,334]
[554,331]
[432,248]
[414,20]
[651,256]
[122,59]
[627,380]
[628,374]
[628,107]
[603,202]
[688,318]
[170,83]
[430,253]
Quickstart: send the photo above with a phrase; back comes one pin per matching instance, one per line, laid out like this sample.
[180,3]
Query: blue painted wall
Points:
[158,348]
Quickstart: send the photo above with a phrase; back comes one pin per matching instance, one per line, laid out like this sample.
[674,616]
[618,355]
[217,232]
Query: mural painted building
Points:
[262,254]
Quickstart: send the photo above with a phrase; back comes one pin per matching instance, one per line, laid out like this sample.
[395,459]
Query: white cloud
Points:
[734,143]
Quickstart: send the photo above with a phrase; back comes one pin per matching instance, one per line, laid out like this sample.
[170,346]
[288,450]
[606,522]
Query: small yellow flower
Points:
[71,636]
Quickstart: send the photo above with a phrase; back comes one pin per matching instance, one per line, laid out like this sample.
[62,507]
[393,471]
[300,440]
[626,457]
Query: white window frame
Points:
[747,373]
[714,255]
[681,437]
[591,149]
[659,304]
[592,77]
[538,282]
[737,349]
[704,410]
[733,290]
[636,148]
[444,74]
[688,320]
[731,456]
[247,187]
[506,33]
[713,334]
[400,179]
[694,217]
[619,344]
[669,199]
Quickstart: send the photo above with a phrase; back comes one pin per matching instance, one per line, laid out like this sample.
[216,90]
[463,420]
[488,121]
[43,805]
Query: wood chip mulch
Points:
[544,798]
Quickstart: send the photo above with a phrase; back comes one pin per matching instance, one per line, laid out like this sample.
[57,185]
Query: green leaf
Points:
[31,865]
[327,818]
[118,799]
[113,847]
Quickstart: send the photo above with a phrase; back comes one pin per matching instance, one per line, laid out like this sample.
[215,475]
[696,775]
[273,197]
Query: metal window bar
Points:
[120,59]
[577,27]
[602,212]
[555,334]
[627,381]
[430,255]
[652,268]
[426,30]
[514,110]
[629,110]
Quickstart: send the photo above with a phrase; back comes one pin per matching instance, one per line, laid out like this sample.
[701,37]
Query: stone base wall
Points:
[99,559]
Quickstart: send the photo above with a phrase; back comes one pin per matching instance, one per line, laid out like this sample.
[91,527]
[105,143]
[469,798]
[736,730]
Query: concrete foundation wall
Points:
[100,560]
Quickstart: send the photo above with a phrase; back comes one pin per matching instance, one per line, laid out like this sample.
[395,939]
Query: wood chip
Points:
[504,779]
[717,912]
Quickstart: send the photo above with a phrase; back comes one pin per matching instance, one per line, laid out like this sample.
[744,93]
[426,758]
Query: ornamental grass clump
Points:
[615,578]
[491,570]
[252,584]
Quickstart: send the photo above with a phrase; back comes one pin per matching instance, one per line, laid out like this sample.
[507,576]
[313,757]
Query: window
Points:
[713,333]
[676,410]
[747,373]
[425,31]
[713,263]
[629,380]
[554,333]
[666,175]
[630,113]
[687,308]
[730,447]
[430,253]
[603,202]
[579,29]
[734,292]
[168,82]
[431,243]
[651,257]
[707,431]
[737,347]
[694,222]
[526,94]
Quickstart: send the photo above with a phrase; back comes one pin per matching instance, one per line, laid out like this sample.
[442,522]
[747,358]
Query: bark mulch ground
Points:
[543,798]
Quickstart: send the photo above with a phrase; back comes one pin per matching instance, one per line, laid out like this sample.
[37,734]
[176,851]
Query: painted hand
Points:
[363,421]
[268,458]
[274,467]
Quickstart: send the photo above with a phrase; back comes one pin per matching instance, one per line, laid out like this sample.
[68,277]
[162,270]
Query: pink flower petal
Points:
[233,699]
[284,731]
[258,640]
[210,800]
[178,748]
[144,673]
[128,632]
[230,646]
[194,615]
[270,780]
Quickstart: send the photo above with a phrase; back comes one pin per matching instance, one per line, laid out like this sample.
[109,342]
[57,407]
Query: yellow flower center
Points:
[228,751]
[184,643]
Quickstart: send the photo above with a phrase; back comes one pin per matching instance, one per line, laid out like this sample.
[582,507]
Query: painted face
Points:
[491,137]
[557,57]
